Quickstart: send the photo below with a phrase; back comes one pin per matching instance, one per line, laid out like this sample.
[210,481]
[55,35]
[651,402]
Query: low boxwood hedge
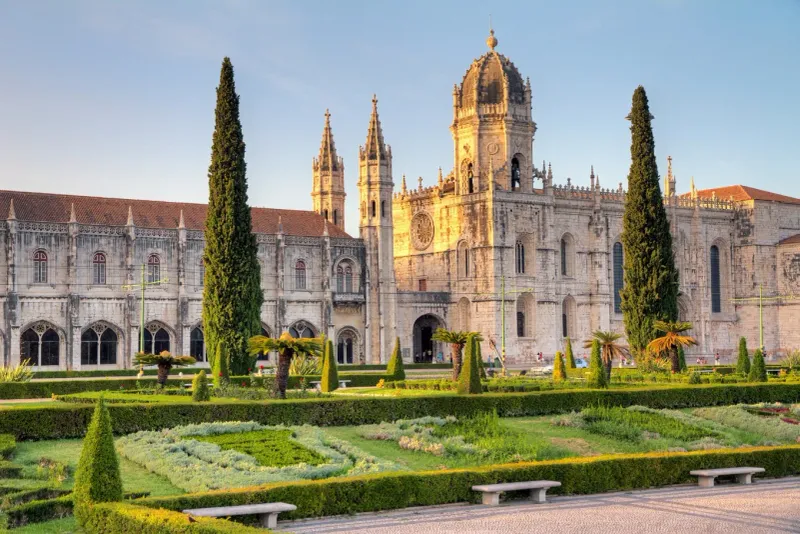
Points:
[8,444]
[577,476]
[38,511]
[124,518]
[61,420]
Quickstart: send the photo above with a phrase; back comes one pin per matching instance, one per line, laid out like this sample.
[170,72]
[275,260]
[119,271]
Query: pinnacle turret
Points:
[375,148]
[328,160]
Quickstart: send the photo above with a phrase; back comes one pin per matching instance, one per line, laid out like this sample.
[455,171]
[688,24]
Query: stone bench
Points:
[267,513]
[318,384]
[744,475]
[491,492]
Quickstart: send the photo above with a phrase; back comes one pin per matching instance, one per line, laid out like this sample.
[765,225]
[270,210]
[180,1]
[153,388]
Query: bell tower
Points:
[493,126]
[328,188]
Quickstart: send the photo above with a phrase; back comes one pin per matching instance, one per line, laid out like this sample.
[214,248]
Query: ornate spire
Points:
[375,148]
[420,183]
[491,41]
[591,177]
[550,172]
[328,159]
[72,217]
[403,187]
[669,179]
[181,224]
[692,188]
[441,178]
[11,215]
[130,216]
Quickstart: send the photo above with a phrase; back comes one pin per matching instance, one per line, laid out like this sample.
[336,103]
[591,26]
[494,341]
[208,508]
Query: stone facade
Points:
[493,246]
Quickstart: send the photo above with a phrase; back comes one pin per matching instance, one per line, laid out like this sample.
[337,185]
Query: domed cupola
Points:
[491,79]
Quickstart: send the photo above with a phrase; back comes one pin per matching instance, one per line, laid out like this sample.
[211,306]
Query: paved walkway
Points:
[768,506]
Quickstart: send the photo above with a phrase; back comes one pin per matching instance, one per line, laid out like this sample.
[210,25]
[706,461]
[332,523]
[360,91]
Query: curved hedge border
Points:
[577,476]
[62,420]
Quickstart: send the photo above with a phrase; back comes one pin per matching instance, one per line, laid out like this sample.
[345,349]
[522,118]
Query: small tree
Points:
[287,347]
[674,337]
[758,371]
[200,391]
[743,363]
[165,362]
[568,353]
[395,367]
[456,339]
[609,348]
[682,358]
[597,372]
[97,478]
[559,372]
[330,375]
[221,366]
[469,382]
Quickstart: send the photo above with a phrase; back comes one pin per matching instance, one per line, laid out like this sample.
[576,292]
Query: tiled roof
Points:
[743,192]
[793,240]
[46,207]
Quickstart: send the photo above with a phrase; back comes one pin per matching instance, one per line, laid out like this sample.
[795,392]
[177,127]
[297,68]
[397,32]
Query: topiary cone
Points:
[330,375]
[395,367]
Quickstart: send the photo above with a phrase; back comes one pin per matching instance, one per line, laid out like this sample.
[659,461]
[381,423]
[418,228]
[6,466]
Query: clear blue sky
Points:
[117,98]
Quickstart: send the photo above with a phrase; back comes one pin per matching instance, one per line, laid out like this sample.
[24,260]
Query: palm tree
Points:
[287,347]
[674,337]
[609,348]
[165,362]
[457,339]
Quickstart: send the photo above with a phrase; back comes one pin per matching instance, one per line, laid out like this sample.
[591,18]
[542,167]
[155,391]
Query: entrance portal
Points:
[426,350]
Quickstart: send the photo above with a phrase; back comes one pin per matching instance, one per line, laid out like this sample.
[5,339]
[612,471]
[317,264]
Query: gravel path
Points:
[768,506]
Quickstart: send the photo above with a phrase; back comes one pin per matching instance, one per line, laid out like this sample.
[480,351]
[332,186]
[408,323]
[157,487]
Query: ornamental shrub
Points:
[97,478]
[221,368]
[200,392]
[743,363]
[395,367]
[597,373]
[8,444]
[479,359]
[758,371]
[129,518]
[681,358]
[469,381]
[568,353]
[330,376]
[559,372]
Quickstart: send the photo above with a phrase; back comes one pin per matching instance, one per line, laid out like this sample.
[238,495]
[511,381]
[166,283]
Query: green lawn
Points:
[58,526]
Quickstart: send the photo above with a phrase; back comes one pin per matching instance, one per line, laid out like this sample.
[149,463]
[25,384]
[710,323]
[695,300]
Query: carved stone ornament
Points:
[421,231]
[493,148]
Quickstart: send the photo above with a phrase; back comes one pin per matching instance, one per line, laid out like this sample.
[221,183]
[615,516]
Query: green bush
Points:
[123,518]
[200,391]
[758,371]
[330,376]
[577,476]
[60,420]
[469,380]
[8,444]
[19,373]
[681,358]
[597,373]
[9,470]
[38,511]
[559,371]
[395,368]
[743,363]
[694,378]
[272,448]
[568,353]
[221,369]
[97,478]
[666,426]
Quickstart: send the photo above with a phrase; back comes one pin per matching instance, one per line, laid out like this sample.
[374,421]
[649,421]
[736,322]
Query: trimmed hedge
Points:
[9,470]
[7,446]
[123,518]
[38,511]
[71,420]
[577,476]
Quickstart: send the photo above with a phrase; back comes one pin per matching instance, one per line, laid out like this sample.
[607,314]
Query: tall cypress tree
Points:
[650,291]
[232,293]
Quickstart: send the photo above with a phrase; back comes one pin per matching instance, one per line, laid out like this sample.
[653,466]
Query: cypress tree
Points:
[758,371]
[232,289]
[597,371]
[568,352]
[220,367]
[743,363]
[469,381]
[681,358]
[330,375]
[559,372]
[97,478]
[650,290]
[200,391]
[395,366]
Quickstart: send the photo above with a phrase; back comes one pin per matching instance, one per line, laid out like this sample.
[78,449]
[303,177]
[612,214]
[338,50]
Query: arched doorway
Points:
[425,348]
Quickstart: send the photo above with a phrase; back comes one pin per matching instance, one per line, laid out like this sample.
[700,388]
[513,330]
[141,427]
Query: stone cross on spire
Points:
[328,159]
[375,148]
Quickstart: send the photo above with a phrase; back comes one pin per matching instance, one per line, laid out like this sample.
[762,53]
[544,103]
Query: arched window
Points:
[40,345]
[515,174]
[567,256]
[568,317]
[99,269]
[345,347]
[716,293]
[197,345]
[325,214]
[373,208]
[519,258]
[525,315]
[340,279]
[344,277]
[300,275]
[463,314]
[156,340]
[99,346]
[470,179]
[153,268]
[619,278]
[462,257]
[201,273]
[301,330]
[40,267]
[383,208]
[520,324]
[336,217]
